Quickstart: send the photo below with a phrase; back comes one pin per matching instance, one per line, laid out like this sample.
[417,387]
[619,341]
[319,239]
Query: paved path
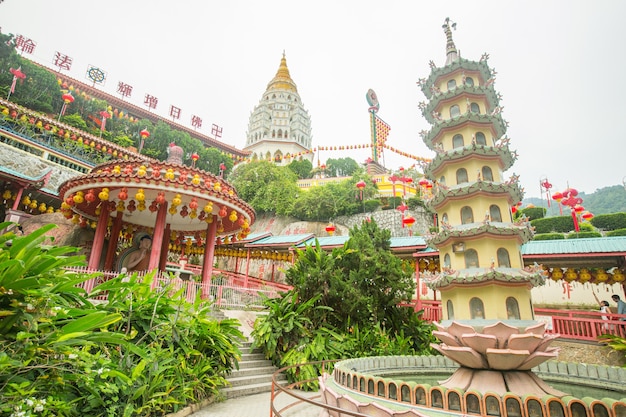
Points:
[258,405]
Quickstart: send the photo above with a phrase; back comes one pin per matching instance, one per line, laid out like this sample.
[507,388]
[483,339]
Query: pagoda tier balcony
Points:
[442,193]
[459,65]
[448,234]
[472,92]
[500,152]
[479,120]
[533,275]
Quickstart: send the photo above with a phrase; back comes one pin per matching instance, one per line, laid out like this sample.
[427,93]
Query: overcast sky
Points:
[560,68]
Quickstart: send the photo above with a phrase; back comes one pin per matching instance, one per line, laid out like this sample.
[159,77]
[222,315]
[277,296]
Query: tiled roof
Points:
[615,244]
[281,240]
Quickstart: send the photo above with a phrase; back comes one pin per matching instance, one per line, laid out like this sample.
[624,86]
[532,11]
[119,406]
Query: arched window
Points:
[471,258]
[467,215]
[512,309]
[487,174]
[469,81]
[461,176]
[446,260]
[454,111]
[503,258]
[477,309]
[442,180]
[457,141]
[474,108]
[280,133]
[444,218]
[480,138]
[494,213]
[451,84]
[273,133]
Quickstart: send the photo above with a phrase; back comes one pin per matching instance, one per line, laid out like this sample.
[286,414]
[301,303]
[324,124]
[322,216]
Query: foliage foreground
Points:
[344,304]
[144,351]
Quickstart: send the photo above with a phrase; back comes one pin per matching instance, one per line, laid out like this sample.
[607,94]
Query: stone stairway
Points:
[253,376]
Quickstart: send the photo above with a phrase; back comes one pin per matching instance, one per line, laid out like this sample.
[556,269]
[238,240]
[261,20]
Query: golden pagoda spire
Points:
[282,80]
[451,51]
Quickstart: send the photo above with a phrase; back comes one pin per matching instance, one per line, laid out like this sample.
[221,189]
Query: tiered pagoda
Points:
[488,321]
[279,128]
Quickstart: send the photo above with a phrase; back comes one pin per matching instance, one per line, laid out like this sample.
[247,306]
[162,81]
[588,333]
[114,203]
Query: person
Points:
[621,306]
[604,308]
[140,259]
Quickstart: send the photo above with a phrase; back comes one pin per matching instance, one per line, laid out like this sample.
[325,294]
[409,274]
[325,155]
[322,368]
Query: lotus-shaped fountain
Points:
[499,358]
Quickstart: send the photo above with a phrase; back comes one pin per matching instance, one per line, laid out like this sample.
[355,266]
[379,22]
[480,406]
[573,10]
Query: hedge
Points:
[609,222]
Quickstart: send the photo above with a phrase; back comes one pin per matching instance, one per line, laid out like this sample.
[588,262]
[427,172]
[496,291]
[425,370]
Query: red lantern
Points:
[223,212]
[557,197]
[360,185]
[68,98]
[330,229]
[587,216]
[144,134]
[514,209]
[578,208]
[408,221]
[423,182]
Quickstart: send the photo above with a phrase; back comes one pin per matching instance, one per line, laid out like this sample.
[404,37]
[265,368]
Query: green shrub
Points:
[617,232]
[609,222]
[549,236]
[581,235]
[563,224]
[533,212]
[371,205]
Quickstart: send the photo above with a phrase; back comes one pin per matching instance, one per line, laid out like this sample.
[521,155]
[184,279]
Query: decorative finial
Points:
[451,51]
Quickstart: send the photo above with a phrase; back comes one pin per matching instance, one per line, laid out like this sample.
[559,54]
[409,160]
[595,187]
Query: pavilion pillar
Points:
[165,247]
[115,237]
[418,304]
[98,239]
[18,197]
[209,252]
[157,238]
[245,282]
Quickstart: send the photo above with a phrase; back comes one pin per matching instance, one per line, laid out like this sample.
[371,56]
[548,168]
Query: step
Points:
[244,390]
[265,370]
[256,356]
[249,380]
[254,364]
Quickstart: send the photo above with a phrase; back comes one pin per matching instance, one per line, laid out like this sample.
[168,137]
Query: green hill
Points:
[611,199]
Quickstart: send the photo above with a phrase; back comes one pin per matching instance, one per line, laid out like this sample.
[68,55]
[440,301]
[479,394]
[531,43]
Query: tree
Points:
[268,188]
[363,282]
[301,168]
[342,167]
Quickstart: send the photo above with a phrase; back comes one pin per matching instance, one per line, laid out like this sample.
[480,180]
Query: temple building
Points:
[483,279]
[279,129]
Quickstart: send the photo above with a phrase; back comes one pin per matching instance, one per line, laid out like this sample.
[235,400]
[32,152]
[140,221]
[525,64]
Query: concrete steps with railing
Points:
[254,375]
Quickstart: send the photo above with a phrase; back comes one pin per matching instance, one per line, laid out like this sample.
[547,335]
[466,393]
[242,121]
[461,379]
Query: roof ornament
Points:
[451,52]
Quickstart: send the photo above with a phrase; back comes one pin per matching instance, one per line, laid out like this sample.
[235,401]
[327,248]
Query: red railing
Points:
[570,324]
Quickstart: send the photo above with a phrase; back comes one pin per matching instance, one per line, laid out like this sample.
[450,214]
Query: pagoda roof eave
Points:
[470,231]
[503,154]
[442,192]
[494,120]
[532,275]
[458,64]
[460,91]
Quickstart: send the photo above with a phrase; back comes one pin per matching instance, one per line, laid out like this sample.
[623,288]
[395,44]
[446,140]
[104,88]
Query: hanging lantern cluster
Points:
[569,198]
[584,275]
[254,254]
[43,124]
[429,265]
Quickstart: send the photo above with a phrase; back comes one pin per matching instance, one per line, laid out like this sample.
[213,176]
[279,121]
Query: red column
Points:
[18,198]
[418,304]
[98,239]
[115,235]
[209,251]
[157,239]
[245,283]
[165,248]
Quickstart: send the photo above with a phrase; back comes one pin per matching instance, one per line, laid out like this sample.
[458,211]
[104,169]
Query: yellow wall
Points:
[487,249]
[493,297]
[467,131]
[480,207]
[473,167]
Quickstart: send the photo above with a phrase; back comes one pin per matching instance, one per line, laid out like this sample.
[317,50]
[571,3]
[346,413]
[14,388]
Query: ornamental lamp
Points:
[330,229]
